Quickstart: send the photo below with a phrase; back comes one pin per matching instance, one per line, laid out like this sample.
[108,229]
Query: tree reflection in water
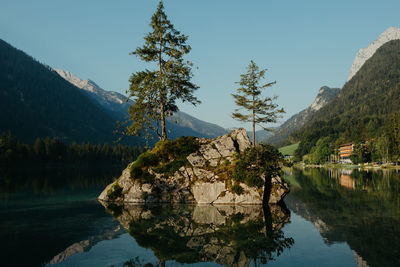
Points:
[365,215]
[227,235]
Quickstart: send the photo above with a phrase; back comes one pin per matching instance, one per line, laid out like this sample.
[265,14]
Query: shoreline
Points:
[352,166]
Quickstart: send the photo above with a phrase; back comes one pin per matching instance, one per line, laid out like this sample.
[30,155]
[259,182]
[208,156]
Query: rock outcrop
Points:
[203,180]
[364,54]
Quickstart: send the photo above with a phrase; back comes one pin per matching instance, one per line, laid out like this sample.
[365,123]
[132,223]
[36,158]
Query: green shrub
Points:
[139,169]
[115,191]
[254,180]
[179,149]
[236,188]
[255,162]
[166,158]
[136,171]
[240,171]
[146,159]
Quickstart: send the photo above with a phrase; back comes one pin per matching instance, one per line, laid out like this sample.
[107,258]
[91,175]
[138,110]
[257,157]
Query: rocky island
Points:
[224,170]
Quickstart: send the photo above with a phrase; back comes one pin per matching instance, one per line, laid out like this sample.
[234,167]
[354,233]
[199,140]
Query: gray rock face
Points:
[225,146]
[364,54]
[196,160]
[196,183]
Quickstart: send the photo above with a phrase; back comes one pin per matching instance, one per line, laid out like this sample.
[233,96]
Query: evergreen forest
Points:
[364,113]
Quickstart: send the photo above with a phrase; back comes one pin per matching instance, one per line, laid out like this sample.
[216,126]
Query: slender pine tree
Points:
[155,91]
[248,97]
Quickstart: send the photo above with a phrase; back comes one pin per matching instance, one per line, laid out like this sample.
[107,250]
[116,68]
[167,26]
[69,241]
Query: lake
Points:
[331,218]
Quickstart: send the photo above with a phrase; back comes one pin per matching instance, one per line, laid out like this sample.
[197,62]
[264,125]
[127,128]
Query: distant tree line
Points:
[383,146]
[51,150]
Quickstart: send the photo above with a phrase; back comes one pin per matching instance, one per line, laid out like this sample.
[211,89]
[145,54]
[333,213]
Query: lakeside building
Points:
[287,156]
[345,151]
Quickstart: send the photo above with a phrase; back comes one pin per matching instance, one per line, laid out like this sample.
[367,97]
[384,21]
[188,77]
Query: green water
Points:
[330,218]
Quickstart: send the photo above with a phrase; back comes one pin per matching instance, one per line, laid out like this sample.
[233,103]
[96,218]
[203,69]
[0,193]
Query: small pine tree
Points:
[248,97]
[155,92]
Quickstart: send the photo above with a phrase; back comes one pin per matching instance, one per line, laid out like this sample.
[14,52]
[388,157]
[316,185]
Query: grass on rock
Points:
[166,158]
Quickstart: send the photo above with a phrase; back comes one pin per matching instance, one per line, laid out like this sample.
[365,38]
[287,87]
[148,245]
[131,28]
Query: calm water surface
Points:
[330,218]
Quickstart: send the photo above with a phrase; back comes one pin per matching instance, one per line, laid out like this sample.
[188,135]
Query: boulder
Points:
[196,160]
[225,146]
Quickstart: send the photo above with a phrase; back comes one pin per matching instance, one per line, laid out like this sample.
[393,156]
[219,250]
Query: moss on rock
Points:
[166,158]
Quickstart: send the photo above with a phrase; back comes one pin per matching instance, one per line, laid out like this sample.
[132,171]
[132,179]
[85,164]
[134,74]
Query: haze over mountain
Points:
[115,103]
[325,95]
[117,106]
[36,102]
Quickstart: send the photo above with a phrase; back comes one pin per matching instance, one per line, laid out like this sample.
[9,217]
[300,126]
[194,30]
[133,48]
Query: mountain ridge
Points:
[363,109]
[36,102]
[118,105]
[392,33]
[298,120]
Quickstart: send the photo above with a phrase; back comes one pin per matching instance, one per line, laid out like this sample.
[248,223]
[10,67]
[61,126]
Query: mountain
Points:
[115,103]
[203,128]
[117,106]
[261,135]
[325,95]
[364,54]
[364,107]
[36,102]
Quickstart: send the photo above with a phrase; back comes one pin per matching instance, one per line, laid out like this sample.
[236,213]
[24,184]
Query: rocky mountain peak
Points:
[118,104]
[87,85]
[392,33]
[75,80]
[325,94]
[105,98]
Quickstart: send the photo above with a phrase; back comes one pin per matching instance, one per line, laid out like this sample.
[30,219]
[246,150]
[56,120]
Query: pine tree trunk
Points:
[254,126]
[162,111]
[163,128]
[254,131]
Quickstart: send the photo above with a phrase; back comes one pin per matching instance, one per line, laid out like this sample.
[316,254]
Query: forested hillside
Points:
[36,102]
[364,110]
[294,123]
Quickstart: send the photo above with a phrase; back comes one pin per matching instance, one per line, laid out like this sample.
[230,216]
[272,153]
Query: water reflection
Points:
[87,244]
[367,217]
[49,181]
[227,235]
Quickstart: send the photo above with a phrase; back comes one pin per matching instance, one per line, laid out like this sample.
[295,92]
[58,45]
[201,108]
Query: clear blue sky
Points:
[303,44]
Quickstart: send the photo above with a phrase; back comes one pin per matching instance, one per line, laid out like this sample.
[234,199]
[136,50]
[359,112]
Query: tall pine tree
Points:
[155,91]
[248,97]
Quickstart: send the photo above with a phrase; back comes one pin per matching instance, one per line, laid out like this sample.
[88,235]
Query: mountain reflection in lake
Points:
[359,207]
[227,235]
